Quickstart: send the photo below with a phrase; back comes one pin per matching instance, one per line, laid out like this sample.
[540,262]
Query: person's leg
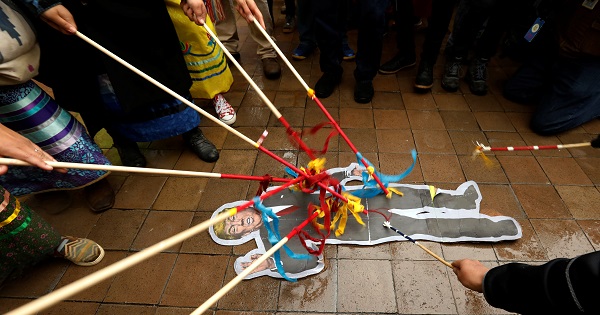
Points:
[573,98]
[290,16]
[227,30]
[265,50]
[328,25]
[526,86]
[474,14]
[405,39]
[441,14]
[306,31]
[370,41]
[28,239]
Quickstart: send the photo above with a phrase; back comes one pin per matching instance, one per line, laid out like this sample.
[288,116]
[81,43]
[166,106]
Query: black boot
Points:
[198,143]
[477,76]
[450,81]
[327,83]
[424,79]
[130,153]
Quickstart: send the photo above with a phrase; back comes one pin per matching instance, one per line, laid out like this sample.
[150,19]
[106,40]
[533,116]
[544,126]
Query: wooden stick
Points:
[245,74]
[71,289]
[282,55]
[166,89]
[129,169]
[323,109]
[213,299]
[481,147]
[235,281]
[434,255]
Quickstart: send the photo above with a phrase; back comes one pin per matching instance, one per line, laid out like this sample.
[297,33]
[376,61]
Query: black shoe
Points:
[236,56]
[203,148]
[327,84]
[397,63]
[99,196]
[363,92]
[477,75]
[424,78]
[130,154]
[450,81]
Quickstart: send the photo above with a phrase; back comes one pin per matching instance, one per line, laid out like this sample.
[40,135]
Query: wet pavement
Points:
[551,193]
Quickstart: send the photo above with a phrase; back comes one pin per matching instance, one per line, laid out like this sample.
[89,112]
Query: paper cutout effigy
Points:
[423,212]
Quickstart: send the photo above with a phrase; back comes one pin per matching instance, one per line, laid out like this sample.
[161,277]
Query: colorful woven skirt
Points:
[25,238]
[31,112]
[205,60]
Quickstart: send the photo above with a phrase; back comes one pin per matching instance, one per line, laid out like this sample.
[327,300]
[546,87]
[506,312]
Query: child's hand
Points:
[249,11]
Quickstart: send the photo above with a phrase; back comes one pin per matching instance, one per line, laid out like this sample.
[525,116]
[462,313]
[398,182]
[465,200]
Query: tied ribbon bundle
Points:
[274,237]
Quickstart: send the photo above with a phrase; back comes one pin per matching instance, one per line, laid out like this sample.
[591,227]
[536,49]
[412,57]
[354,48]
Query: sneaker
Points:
[477,75]
[349,53]
[224,110]
[397,63]
[203,148]
[363,92]
[450,80]
[424,78]
[327,84]
[271,68]
[289,25]
[80,251]
[302,51]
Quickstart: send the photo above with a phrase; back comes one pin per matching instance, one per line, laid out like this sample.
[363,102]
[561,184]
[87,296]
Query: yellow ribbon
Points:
[13,215]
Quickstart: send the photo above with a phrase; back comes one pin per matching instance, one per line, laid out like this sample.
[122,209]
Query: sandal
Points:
[80,251]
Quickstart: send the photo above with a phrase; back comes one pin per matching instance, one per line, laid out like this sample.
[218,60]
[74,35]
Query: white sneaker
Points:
[225,112]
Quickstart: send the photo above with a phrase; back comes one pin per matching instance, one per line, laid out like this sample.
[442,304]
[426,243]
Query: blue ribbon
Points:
[370,188]
[274,237]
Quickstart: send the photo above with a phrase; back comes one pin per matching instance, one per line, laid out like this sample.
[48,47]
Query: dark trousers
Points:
[330,23]
[441,13]
[565,90]
[470,20]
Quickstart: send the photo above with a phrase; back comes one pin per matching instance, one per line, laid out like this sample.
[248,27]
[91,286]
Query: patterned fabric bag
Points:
[19,51]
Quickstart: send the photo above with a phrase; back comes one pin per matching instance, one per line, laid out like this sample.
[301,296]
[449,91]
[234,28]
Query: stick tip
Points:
[387,224]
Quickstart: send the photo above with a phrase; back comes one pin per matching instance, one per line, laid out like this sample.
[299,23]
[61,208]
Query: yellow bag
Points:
[205,60]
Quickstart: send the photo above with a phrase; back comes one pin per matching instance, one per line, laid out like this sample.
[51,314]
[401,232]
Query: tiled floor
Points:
[551,193]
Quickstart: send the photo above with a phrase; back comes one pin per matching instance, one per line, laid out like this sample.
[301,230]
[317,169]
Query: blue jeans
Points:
[566,91]
[330,25]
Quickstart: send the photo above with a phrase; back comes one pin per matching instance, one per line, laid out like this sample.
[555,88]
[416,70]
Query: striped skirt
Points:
[25,238]
[31,112]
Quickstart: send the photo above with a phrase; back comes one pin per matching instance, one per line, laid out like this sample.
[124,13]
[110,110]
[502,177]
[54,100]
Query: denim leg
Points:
[530,81]
[405,30]
[330,18]
[370,38]
[573,99]
[441,14]
[290,8]
[474,14]
[305,23]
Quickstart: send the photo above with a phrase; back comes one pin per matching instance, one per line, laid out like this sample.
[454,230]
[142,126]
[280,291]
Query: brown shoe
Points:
[271,68]
[52,202]
[99,196]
